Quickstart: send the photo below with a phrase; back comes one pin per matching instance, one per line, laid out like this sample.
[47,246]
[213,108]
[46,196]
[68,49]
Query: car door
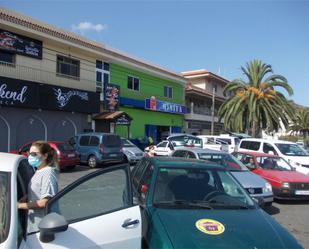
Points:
[99,211]
[83,147]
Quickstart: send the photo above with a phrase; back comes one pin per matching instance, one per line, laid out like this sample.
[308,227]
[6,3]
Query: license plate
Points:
[71,155]
[113,155]
[302,192]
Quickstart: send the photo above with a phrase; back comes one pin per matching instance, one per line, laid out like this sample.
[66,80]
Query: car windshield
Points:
[126,143]
[4,206]
[199,189]
[185,140]
[273,163]
[291,150]
[226,160]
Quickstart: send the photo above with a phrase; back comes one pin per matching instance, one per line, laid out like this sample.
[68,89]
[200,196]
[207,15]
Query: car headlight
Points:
[285,185]
[268,187]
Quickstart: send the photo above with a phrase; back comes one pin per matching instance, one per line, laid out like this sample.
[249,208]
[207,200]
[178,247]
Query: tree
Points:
[256,104]
[300,123]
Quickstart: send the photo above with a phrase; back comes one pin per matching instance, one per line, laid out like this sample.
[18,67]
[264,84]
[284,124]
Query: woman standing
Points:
[43,184]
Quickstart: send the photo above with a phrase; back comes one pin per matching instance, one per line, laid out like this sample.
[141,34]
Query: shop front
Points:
[33,111]
[152,118]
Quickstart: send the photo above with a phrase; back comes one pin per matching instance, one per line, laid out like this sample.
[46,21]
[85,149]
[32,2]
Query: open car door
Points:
[99,213]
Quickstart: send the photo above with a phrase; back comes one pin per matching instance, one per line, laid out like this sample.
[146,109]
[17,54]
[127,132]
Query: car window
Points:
[250,145]
[224,140]
[84,140]
[138,172]
[94,141]
[127,143]
[26,148]
[145,182]
[268,148]
[273,163]
[5,205]
[191,155]
[161,145]
[111,141]
[179,153]
[72,141]
[291,149]
[64,147]
[100,194]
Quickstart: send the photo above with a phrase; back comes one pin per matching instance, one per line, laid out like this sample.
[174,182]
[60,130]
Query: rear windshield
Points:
[65,147]
[4,205]
[112,141]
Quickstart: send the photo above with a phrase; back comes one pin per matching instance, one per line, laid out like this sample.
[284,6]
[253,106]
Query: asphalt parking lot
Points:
[293,215]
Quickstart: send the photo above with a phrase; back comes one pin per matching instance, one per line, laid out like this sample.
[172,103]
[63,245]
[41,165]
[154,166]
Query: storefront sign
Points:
[123,120]
[161,106]
[20,44]
[112,93]
[28,94]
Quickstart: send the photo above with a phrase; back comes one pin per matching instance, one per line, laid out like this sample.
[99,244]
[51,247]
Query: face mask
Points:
[34,161]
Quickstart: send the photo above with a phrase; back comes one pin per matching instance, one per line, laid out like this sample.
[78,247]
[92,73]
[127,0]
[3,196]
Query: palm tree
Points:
[300,124]
[256,104]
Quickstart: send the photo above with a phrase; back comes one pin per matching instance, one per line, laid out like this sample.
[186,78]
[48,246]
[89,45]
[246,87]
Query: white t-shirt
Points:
[43,184]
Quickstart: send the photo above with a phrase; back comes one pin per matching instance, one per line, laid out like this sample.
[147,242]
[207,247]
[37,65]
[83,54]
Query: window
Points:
[94,141]
[191,155]
[133,83]
[250,145]
[179,153]
[102,74]
[7,57]
[93,197]
[267,148]
[84,140]
[145,181]
[214,86]
[168,92]
[67,67]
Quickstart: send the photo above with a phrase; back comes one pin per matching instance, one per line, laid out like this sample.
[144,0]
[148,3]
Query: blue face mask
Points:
[34,161]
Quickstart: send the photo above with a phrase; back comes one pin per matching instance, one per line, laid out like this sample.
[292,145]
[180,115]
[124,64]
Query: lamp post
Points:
[213,111]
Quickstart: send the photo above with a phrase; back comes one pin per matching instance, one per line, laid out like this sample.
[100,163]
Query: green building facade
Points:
[154,101]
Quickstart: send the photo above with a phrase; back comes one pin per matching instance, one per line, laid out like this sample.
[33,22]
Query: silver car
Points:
[256,186]
[132,154]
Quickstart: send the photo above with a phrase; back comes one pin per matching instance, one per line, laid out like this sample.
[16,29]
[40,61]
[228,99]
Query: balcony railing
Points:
[43,76]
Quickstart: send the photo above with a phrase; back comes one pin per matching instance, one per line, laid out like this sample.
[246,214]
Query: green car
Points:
[187,203]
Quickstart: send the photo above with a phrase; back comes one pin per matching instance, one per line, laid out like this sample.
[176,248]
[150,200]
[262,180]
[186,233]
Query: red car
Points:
[286,182]
[67,155]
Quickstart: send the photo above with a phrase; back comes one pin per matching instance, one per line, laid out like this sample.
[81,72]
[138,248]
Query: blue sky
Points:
[220,36]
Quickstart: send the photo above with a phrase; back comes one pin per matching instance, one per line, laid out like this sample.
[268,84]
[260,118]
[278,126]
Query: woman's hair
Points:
[46,149]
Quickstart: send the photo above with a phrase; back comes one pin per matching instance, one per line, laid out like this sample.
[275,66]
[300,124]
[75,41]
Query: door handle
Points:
[129,222]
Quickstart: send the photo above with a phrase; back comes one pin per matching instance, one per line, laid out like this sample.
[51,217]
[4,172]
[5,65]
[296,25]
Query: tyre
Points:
[92,161]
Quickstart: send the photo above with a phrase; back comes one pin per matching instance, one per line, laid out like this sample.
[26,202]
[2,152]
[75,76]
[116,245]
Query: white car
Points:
[92,212]
[164,148]
[297,156]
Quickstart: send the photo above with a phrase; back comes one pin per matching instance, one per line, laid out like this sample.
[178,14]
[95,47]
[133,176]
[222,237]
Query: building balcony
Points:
[43,76]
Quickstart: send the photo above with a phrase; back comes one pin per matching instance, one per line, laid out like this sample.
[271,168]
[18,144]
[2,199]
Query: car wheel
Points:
[92,161]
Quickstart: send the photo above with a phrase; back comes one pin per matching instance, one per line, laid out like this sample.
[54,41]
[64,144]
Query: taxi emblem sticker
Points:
[209,226]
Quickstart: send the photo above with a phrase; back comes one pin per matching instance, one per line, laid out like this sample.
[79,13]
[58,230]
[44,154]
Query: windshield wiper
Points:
[228,205]
[184,203]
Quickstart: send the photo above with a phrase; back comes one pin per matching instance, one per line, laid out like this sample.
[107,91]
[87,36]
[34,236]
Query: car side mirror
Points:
[51,224]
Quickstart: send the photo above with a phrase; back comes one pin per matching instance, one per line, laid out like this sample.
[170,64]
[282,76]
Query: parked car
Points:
[83,220]
[92,211]
[132,154]
[188,203]
[286,182]
[67,155]
[98,148]
[291,152]
[164,148]
[256,186]
[223,142]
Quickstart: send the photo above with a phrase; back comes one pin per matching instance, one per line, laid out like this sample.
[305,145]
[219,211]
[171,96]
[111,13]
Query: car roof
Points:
[251,153]
[267,140]
[96,133]
[9,161]
[176,162]
[200,150]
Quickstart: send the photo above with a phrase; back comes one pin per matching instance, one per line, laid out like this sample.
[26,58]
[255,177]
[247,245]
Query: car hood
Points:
[287,176]
[251,228]
[298,159]
[248,179]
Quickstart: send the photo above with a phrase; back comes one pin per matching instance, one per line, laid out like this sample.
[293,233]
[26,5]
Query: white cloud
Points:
[88,26]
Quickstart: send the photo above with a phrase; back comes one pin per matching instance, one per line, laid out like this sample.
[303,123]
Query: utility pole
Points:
[213,111]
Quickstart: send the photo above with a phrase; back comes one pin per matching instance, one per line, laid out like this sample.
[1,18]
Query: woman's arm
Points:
[33,204]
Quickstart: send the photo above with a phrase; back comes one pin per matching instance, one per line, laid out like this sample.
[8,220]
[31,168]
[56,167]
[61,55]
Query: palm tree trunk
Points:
[253,131]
